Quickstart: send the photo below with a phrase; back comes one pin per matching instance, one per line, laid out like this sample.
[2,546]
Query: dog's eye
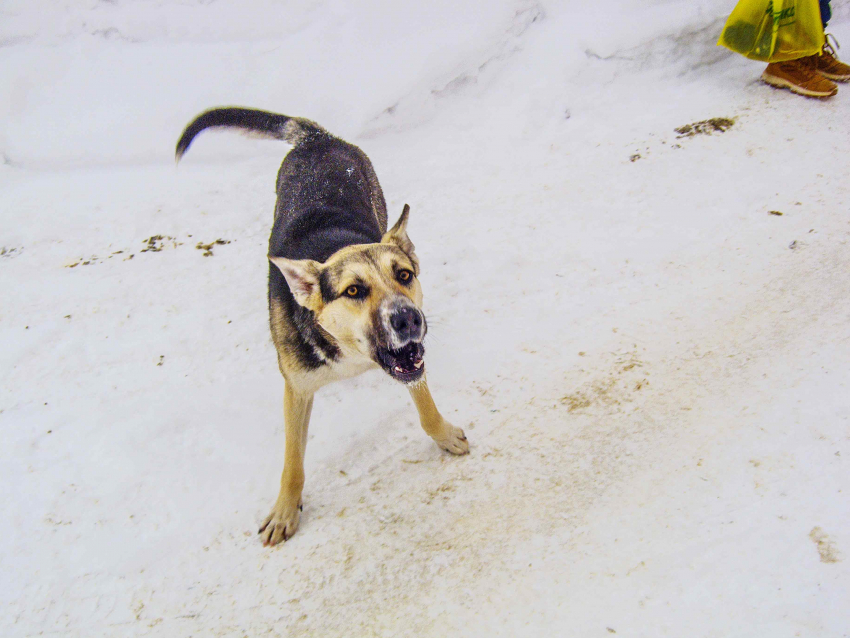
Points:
[404,276]
[355,292]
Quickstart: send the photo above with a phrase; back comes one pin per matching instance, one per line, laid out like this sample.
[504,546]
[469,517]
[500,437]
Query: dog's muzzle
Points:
[404,326]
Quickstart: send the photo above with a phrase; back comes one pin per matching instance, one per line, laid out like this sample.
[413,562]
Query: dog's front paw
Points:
[282,523]
[453,441]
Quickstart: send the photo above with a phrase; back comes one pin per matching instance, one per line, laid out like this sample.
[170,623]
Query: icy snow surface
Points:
[651,367]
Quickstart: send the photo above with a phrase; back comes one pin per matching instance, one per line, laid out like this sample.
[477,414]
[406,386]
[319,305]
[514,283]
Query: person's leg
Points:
[812,75]
[825,12]
[827,63]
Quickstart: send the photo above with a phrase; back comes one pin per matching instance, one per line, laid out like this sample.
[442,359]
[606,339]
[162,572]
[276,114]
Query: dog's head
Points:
[368,298]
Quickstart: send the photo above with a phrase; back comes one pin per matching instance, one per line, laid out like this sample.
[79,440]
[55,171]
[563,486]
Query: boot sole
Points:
[782,83]
[835,78]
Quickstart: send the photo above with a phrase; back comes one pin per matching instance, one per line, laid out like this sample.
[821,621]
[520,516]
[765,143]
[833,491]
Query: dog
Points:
[344,293]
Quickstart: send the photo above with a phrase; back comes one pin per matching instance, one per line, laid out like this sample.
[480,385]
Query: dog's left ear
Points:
[398,235]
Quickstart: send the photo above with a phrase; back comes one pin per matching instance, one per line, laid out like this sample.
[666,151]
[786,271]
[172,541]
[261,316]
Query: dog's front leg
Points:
[446,435]
[283,521]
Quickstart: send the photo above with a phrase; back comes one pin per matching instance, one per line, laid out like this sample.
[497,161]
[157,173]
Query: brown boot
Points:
[828,65]
[800,77]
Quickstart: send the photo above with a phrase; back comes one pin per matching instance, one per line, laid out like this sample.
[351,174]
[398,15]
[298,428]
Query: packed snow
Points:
[644,332]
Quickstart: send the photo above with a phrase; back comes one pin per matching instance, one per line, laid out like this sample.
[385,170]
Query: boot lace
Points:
[828,45]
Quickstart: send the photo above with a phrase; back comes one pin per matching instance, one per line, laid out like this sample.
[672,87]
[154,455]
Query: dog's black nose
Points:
[407,322]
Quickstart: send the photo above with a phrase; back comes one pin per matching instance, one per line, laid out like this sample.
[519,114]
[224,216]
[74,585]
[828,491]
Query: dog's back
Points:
[328,195]
[327,198]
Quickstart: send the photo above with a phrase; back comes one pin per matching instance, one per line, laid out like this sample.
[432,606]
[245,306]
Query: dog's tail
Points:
[251,122]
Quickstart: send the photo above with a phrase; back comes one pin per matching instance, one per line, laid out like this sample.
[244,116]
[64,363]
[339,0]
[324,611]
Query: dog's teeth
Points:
[418,364]
[398,369]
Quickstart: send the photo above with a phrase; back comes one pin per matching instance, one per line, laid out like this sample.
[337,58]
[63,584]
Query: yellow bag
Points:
[774,30]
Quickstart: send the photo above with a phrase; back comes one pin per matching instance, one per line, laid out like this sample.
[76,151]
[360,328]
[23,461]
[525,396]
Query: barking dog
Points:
[344,293]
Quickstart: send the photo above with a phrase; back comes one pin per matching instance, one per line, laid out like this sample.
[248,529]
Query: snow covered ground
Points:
[651,367]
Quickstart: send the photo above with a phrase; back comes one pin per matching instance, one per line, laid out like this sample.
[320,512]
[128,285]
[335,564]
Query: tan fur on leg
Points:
[446,435]
[283,521]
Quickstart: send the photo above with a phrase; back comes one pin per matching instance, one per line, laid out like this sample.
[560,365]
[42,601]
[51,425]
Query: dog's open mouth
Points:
[406,364]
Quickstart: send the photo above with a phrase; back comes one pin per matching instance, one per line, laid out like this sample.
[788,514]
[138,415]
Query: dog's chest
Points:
[348,367]
[332,371]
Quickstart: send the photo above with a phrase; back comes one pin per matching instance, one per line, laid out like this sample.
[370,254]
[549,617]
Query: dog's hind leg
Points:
[446,435]
[283,521]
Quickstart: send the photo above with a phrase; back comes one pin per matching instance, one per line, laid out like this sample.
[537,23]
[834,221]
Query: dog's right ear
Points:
[302,275]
